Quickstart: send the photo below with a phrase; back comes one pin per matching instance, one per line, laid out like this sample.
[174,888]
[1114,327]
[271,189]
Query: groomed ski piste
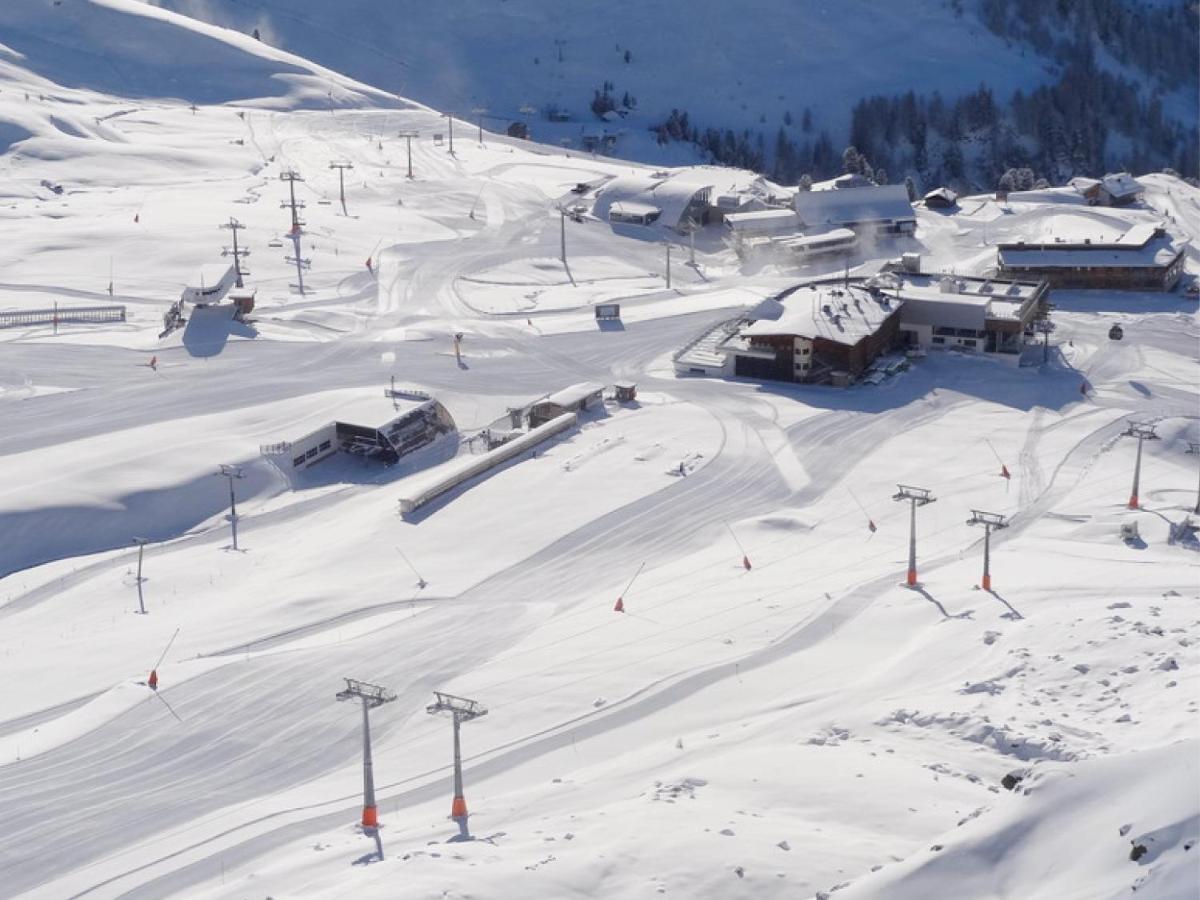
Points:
[807,726]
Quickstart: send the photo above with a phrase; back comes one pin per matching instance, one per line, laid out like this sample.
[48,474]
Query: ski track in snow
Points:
[264,759]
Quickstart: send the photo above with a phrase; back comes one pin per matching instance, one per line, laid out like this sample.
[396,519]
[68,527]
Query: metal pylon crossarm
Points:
[916,497]
[989,521]
[461,707]
[371,695]
[461,710]
[1143,431]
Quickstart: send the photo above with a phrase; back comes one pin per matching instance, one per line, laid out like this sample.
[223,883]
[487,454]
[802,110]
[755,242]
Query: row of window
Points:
[958,332]
[962,343]
[301,460]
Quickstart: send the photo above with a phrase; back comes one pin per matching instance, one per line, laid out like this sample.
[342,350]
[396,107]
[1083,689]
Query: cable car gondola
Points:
[1116,333]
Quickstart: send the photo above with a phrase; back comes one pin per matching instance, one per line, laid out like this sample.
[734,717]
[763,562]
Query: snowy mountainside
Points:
[772,715]
[127,49]
[783,87]
[756,63]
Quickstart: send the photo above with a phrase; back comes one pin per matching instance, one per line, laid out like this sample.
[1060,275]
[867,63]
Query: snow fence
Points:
[457,472]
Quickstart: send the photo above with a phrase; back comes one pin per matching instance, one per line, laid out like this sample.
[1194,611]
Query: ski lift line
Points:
[659,654]
[430,731]
[694,590]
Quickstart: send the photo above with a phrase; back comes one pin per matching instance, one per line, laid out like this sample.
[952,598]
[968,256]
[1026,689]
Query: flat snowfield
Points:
[772,714]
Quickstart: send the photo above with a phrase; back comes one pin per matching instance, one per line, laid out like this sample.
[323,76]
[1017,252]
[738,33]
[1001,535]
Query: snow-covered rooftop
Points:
[819,311]
[957,301]
[574,394]
[1121,184]
[762,220]
[844,206]
[1143,245]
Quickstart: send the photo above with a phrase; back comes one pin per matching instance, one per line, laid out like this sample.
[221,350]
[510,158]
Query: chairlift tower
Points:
[1194,448]
[291,177]
[480,111]
[371,695]
[141,542]
[461,710]
[450,130]
[231,472]
[341,170]
[916,497]
[235,226]
[1143,432]
[988,521]
[408,139]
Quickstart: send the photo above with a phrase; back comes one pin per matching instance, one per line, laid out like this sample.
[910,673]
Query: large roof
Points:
[844,316]
[1142,246]
[957,302]
[672,190]
[846,206]
[764,219]
[574,394]
[1121,184]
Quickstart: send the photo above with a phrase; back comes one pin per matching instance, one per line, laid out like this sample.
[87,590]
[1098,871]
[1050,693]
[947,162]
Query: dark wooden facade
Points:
[827,356]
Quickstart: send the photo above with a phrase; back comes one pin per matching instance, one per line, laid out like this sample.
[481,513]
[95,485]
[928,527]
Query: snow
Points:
[878,203]
[772,731]
[761,60]
[810,312]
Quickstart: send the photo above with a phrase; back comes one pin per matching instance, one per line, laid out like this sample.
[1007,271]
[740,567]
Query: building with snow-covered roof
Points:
[1114,189]
[630,212]
[763,221]
[980,315]
[874,209]
[693,194]
[677,201]
[817,333]
[941,198]
[1145,258]
[576,398]
[1120,189]
[402,428]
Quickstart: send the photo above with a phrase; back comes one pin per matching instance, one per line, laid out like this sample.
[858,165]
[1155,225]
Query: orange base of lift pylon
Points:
[987,582]
[458,809]
[370,817]
[1133,501]
[620,605]
[912,578]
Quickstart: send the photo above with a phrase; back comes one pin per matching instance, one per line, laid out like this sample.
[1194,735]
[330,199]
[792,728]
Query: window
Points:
[969,343]
[324,446]
[311,453]
[298,461]
[939,340]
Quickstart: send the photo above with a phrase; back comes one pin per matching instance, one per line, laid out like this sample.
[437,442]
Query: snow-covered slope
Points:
[749,64]
[774,731]
[127,49]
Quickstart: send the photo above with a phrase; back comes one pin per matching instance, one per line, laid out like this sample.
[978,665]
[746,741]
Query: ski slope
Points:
[804,725]
[760,60]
